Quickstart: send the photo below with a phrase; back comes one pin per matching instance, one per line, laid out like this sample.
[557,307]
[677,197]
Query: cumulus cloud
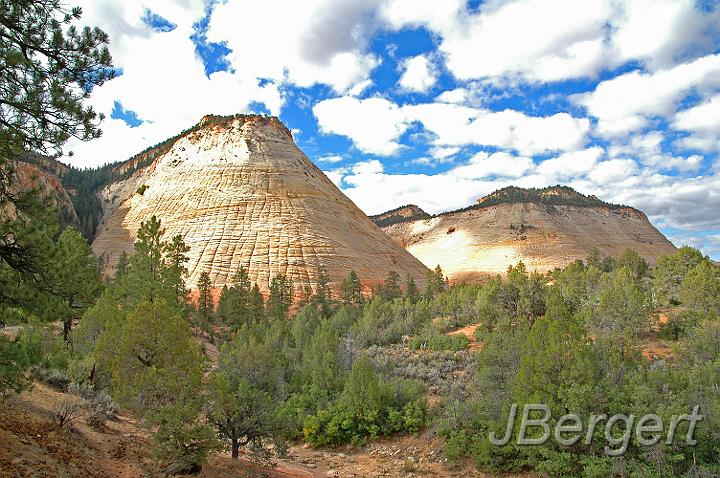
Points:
[484,165]
[373,124]
[376,124]
[703,118]
[531,40]
[163,81]
[458,125]
[628,102]
[419,74]
[571,164]
[303,43]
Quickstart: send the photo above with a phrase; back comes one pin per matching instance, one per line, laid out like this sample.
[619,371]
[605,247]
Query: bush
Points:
[103,404]
[369,407]
[14,364]
[57,379]
[438,342]
[67,410]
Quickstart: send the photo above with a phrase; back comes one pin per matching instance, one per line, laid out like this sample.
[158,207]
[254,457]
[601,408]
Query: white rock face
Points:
[479,243]
[240,193]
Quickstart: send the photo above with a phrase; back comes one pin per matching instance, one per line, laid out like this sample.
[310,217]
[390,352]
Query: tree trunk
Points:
[235,448]
[67,328]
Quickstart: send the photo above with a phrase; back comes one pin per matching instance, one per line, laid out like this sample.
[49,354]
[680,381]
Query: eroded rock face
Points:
[483,241]
[240,193]
[29,176]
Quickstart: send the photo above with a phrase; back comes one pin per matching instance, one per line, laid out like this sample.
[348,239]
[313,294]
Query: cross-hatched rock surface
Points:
[241,193]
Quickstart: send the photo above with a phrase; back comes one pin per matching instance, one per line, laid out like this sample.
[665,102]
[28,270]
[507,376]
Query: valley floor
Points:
[33,445]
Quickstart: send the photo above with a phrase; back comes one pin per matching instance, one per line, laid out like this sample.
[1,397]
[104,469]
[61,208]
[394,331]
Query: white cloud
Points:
[303,43]
[440,153]
[162,80]
[703,118]
[706,143]
[457,96]
[612,171]
[330,159]
[659,31]
[626,103]
[373,124]
[527,38]
[419,75]
[458,125]
[376,124]
[647,148]
[360,88]
[532,40]
[484,165]
[570,164]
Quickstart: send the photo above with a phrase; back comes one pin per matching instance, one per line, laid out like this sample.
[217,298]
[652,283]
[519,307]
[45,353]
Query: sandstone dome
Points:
[544,228]
[241,193]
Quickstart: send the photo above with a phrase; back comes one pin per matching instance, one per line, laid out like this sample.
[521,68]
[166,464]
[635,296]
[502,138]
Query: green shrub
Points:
[369,407]
[679,325]
[13,368]
[439,342]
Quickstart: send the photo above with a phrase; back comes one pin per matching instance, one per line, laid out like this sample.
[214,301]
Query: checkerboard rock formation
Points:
[241,193]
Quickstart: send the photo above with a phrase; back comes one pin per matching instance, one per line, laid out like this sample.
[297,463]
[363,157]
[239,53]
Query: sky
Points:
[438,103]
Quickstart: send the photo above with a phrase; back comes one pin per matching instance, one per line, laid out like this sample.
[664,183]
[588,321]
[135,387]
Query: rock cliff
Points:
[241,193]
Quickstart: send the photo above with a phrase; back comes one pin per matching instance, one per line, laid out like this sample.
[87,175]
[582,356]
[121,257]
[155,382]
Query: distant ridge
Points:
[557,195]
[409,212]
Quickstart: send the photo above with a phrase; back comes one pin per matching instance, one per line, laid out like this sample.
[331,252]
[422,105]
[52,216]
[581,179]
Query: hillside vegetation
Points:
[350,368]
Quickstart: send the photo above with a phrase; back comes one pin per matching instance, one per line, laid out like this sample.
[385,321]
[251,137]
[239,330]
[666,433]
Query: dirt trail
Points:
[469,332]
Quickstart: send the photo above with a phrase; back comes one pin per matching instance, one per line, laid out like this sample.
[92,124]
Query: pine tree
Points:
[323,294]
[411,290]
[352,290]
[280,297]
[256,304]
[391,287]
[175,255]
[122,266]
[235,301]
[434,282]
[75,276]
[205,301]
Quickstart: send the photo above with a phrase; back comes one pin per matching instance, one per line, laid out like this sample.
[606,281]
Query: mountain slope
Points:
[544,228]
[241,193]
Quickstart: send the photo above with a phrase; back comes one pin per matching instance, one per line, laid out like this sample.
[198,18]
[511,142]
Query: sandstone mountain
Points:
[241,193]
[544,228]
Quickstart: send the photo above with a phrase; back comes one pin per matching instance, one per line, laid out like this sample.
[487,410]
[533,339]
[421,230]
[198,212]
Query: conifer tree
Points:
[75,277]
[205,301]
[280,297]
[352,290]
[411,290]
[391,287]
[323,294]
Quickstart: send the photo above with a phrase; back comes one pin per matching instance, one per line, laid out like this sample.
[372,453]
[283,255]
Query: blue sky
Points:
[438,103]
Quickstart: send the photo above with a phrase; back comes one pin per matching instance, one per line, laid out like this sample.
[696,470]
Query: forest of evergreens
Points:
[317,369]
